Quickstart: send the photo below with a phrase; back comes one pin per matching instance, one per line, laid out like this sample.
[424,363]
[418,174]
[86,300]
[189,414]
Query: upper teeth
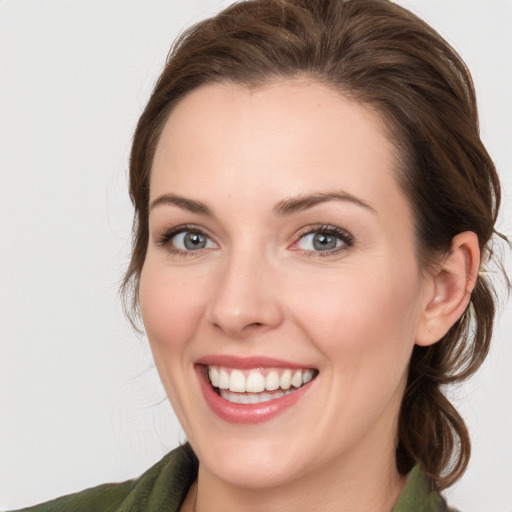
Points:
[255,380]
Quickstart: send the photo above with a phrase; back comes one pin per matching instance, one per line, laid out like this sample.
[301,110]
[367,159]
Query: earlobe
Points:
[450,290]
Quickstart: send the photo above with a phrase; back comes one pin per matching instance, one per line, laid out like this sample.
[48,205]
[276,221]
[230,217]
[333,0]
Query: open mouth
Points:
[257,385]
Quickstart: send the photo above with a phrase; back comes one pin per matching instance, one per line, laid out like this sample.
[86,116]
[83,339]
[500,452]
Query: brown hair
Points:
[379,54]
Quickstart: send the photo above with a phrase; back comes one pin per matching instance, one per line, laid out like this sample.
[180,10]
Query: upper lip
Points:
[248,362]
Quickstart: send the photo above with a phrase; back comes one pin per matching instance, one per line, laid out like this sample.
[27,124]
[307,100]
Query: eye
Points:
[185,240]
[326,239]
[190,241]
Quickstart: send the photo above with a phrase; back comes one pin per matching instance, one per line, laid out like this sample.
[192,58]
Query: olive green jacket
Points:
[164,487]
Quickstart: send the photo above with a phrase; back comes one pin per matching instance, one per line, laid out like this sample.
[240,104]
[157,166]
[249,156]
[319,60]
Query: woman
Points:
[313,210]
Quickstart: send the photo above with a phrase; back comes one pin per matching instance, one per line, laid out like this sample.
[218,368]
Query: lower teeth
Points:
[252,398]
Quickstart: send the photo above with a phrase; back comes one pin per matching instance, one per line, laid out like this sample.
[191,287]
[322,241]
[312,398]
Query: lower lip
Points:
[247,413]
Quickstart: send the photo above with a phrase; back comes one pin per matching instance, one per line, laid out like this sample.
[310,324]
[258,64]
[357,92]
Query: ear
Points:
[450,289]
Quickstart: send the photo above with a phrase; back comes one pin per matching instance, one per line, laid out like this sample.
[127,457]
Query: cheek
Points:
[362,319]
[171,304]
[364,329]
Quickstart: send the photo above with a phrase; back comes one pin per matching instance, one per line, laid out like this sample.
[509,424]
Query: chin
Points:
[248,462]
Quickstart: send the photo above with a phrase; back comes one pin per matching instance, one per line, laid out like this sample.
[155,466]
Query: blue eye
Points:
[325,239]
[184,239]
[191,241]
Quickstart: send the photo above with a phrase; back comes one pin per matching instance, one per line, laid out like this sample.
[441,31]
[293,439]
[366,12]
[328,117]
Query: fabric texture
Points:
[165,485]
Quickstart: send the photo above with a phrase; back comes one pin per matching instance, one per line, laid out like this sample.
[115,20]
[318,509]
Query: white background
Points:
[80,402]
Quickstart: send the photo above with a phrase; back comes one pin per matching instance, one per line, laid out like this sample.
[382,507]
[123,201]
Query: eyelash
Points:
[346,238]
[165,239]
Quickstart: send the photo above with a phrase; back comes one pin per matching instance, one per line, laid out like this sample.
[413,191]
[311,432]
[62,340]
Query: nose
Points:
[244,300]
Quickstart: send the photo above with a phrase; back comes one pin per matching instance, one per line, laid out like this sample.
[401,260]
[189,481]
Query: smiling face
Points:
[281,262]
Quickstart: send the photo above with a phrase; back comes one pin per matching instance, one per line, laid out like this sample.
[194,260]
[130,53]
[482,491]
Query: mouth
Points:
[252,386]
[252,390]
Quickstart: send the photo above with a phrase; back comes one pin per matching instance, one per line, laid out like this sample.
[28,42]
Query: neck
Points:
[348,487]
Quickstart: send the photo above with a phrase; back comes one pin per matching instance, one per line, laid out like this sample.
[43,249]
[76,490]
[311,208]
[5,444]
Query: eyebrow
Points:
[303,202]
[181,202]
[282,208]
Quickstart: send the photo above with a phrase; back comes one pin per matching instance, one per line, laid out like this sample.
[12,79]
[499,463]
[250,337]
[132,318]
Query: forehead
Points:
[281,139]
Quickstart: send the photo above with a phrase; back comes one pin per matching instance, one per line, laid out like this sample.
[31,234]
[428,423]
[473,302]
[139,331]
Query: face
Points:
[280,273]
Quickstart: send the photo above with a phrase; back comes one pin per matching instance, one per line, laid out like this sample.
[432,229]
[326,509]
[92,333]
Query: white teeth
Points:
[234,397]
[258,380]
[213,373]
[237,382]
[286,379]
[252,398]
[297,379]
[223,379]
[272,381]
[255,382]
[307,376]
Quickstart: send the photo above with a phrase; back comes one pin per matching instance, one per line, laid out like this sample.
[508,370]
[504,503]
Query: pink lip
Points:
[247,362]
[246,413]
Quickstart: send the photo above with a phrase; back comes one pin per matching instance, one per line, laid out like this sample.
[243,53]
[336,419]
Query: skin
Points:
[260,288]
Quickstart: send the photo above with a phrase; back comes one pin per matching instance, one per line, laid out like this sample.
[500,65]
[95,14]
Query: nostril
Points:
[254,326]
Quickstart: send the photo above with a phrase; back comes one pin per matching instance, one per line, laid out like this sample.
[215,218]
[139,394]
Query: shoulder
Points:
[419,495]
[163,486]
